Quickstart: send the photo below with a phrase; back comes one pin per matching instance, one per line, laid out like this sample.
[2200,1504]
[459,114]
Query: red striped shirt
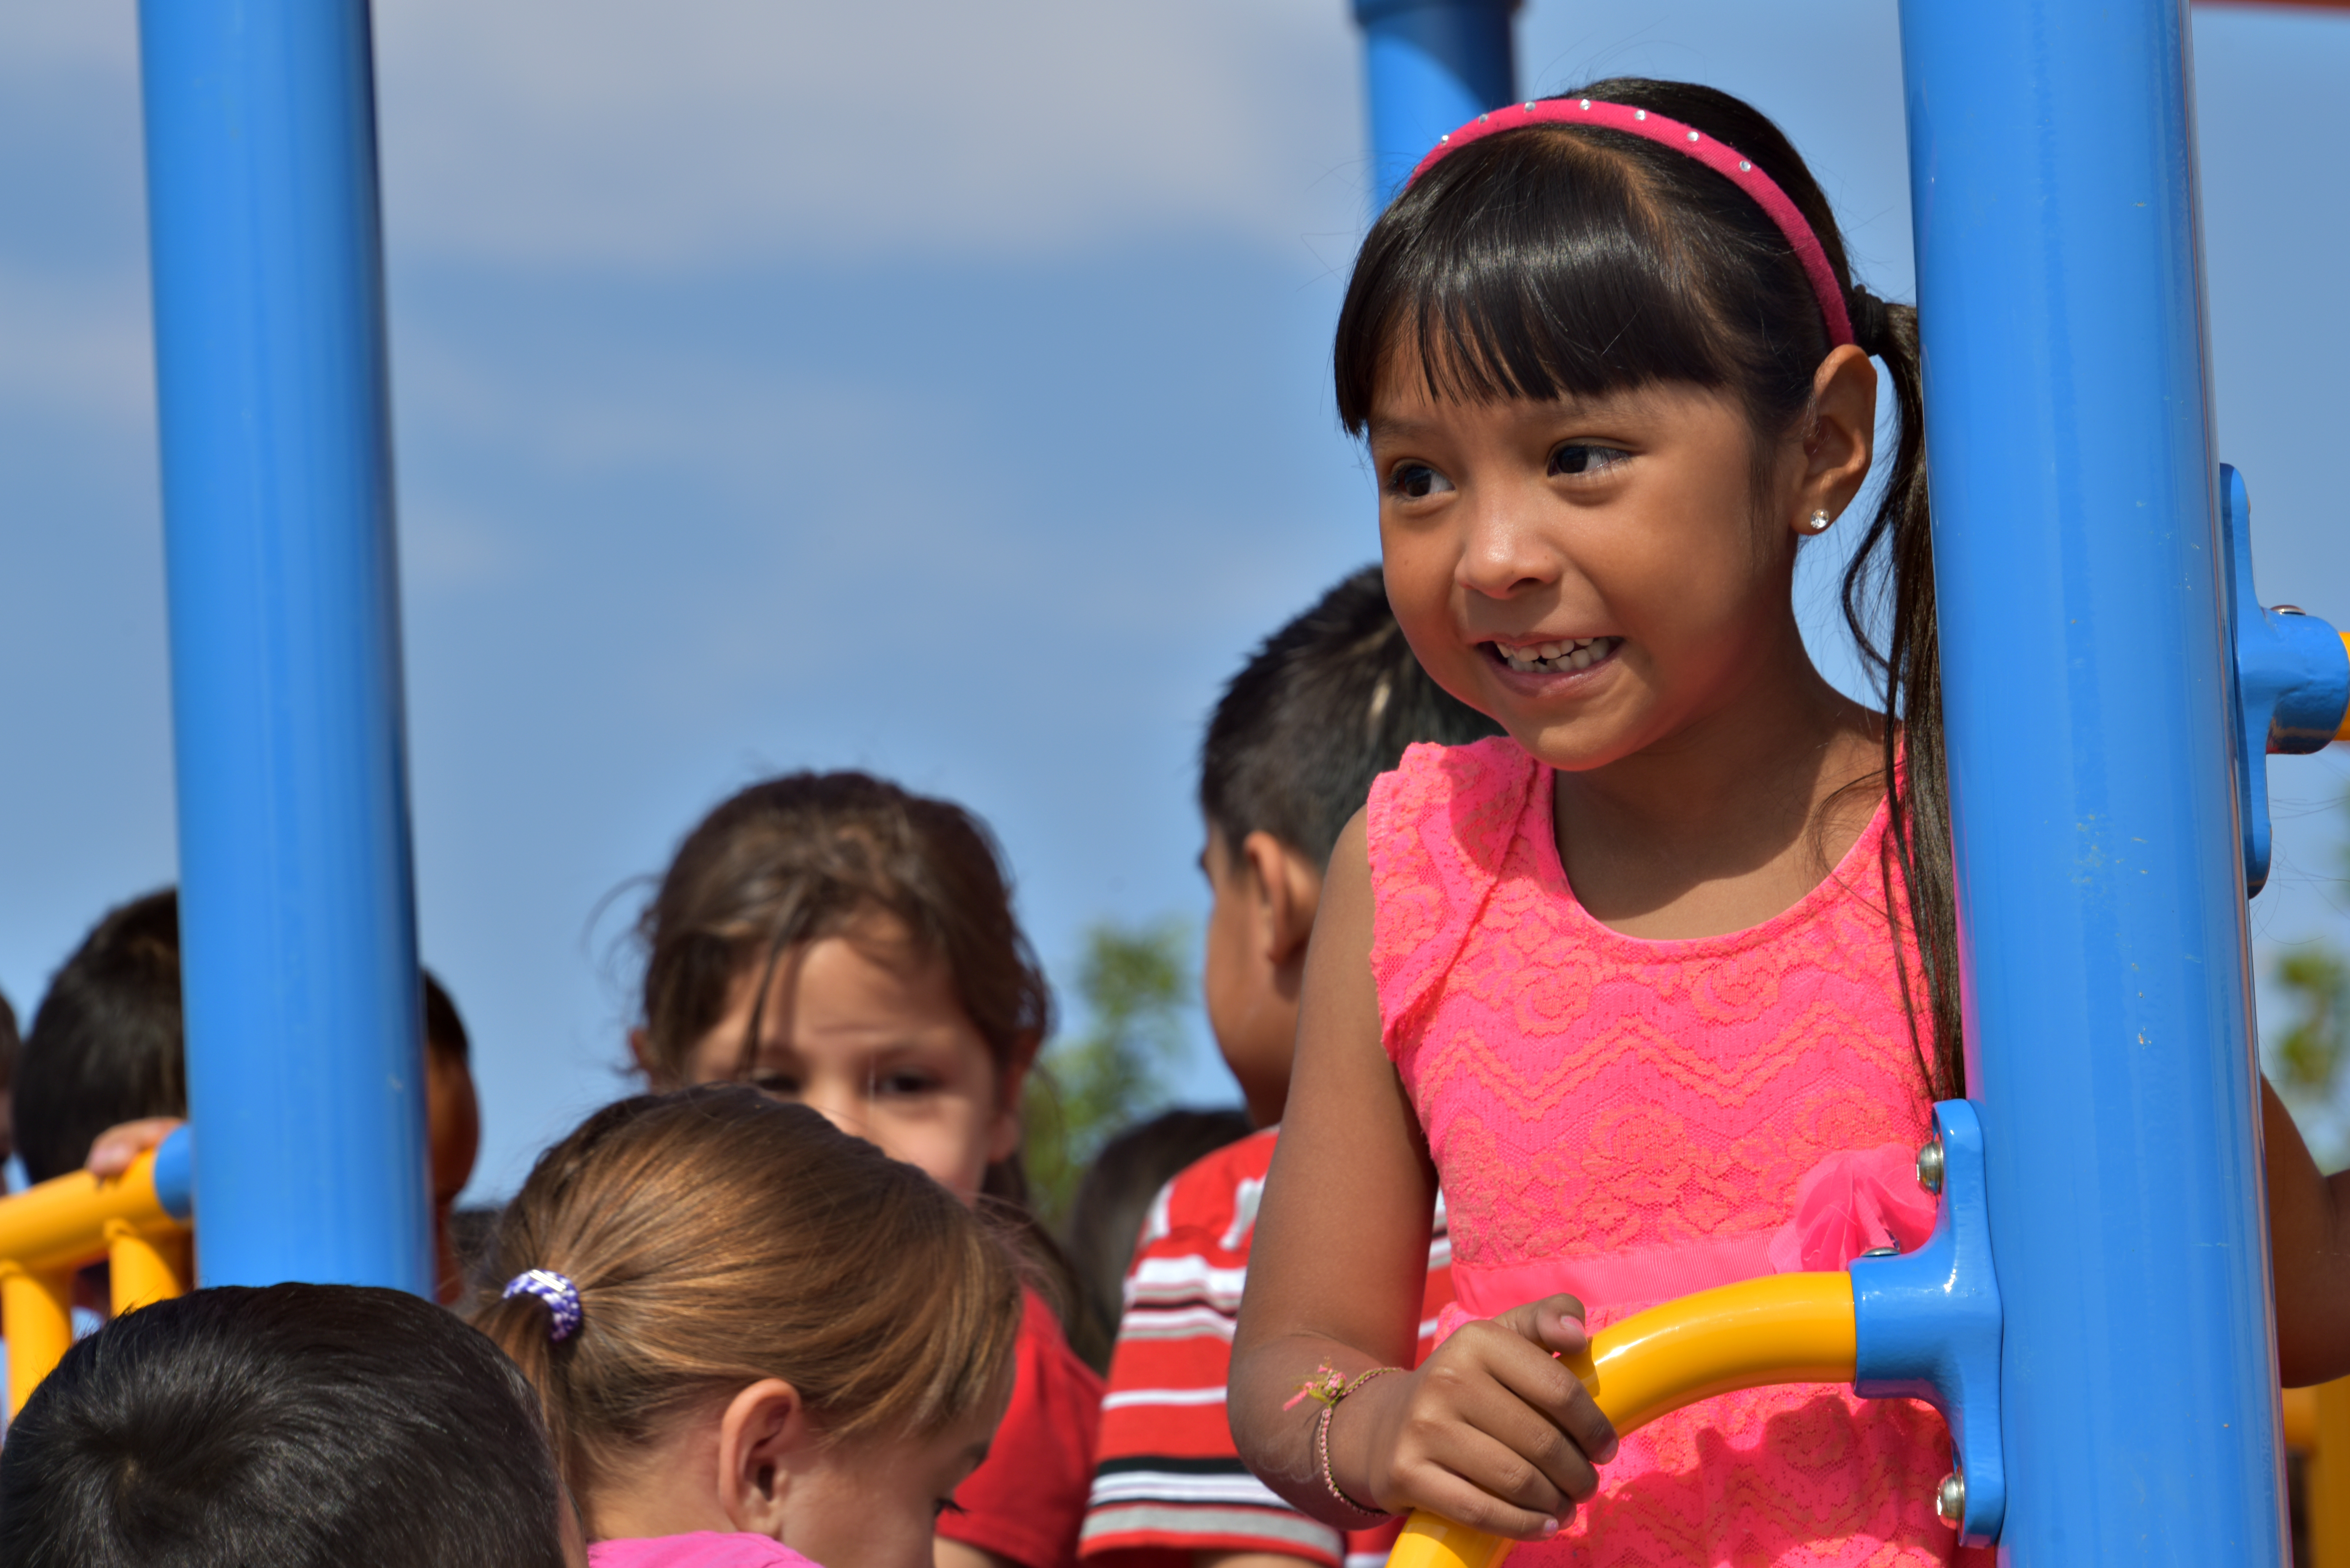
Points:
[1167,1481]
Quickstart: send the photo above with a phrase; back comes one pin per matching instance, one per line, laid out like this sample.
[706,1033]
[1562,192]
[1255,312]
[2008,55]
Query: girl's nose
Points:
[1502,552]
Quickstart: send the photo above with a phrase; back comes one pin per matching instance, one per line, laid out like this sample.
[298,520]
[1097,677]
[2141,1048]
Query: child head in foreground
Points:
[298,1425]
[758,1341]
[1326,706]
[106,1050]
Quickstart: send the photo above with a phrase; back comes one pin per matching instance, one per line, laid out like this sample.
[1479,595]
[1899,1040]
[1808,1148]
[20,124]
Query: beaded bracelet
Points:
[1326,1387]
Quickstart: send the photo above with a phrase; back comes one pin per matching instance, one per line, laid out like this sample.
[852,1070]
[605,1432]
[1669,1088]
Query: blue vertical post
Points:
[1428,66]
[2101,878]
[297,914]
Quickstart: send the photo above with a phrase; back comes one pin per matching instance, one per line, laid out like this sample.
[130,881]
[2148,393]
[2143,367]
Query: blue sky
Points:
[933,388]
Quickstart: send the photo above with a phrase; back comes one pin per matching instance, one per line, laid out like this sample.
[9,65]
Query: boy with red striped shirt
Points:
[1328,704]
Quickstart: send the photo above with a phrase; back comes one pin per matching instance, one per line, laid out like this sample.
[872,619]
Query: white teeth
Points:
[1567,654]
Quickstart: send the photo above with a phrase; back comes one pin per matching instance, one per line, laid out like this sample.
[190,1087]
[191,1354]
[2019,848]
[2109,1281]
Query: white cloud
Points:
[660,133]
[623,133]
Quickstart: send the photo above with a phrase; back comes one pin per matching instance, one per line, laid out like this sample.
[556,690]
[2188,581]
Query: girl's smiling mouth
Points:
[1557,656]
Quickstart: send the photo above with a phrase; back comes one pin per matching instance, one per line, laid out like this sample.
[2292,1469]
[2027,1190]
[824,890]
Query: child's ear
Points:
[640,1047]
[1842,436]
[1287,890]
[765,1443]
[1004,1136]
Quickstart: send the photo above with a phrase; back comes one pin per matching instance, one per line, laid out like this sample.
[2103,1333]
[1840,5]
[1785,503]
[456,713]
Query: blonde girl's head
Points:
[766,1311]
[836,939]
[1606,404]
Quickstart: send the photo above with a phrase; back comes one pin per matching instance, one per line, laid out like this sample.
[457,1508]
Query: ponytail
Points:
[706,1239]
[1891,581]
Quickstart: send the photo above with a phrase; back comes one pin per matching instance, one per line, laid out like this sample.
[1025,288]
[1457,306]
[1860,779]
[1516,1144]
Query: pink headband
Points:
[1723,159]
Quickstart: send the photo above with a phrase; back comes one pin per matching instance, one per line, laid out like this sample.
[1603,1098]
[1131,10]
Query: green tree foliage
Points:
[2307,1057]
[1133,987]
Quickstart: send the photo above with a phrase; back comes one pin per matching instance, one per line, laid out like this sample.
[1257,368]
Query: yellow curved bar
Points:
[2326,1479]
[49,1230]
[1783,1328]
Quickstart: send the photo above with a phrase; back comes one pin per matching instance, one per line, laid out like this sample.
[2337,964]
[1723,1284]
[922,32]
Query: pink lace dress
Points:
[1633,1120]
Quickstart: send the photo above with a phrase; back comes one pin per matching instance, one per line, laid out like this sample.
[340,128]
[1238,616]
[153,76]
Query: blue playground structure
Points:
[2093,1317]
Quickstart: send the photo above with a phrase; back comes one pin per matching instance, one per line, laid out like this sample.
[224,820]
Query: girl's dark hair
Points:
[716,1238]
[1569,260]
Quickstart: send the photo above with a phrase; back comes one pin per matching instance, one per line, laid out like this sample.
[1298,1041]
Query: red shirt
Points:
[1168,1481]
[1027,1497]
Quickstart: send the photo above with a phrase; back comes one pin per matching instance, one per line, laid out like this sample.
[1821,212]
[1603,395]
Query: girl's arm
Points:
[2309,1242]
[1492,1431]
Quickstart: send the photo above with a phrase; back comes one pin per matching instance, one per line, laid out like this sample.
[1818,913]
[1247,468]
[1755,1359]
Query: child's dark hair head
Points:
[807,856]
[105,1045]
[108,1044]
[716,1238]
[297,1424]
[1326,706]
[1564,260]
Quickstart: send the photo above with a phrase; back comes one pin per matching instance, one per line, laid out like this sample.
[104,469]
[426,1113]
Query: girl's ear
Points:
[765,1443]
[1842,439]
[1004,1133]
[640,1047]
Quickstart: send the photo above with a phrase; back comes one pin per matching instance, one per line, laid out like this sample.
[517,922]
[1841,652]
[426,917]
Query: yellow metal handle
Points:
[49,1230]
[1783,1328]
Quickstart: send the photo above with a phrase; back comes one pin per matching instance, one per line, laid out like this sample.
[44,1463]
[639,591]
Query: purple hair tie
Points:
[558,1294]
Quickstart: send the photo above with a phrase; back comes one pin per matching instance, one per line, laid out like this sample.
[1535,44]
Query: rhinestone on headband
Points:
[1720,157]
[558,1294]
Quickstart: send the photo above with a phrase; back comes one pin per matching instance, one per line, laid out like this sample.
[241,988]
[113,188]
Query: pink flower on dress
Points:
[1850,1203]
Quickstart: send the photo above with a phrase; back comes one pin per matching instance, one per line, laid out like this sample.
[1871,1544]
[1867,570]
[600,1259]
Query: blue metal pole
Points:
[1428,66]
[297,916]
[2087,680]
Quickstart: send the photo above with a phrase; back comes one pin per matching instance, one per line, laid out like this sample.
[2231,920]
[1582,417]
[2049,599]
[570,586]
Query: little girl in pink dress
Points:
[1659,989]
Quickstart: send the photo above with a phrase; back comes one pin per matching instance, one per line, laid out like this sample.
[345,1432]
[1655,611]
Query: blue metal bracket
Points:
[1927,1326]
[2292,678]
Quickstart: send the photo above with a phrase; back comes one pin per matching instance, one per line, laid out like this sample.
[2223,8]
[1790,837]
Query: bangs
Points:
[1534,265]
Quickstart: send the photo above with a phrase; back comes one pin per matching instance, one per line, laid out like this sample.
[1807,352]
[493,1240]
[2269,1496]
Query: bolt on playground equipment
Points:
[2112,688]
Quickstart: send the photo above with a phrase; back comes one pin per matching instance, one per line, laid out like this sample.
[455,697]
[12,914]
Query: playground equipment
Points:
[2093,1316]
[2112,689]
[135,1223]
[297,911]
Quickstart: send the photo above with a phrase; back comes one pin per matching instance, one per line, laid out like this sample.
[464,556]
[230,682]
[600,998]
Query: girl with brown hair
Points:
[759,1342]
[834,939]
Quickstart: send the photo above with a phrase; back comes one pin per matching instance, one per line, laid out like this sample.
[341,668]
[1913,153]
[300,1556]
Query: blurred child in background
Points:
[1327,705]
[759,1342]
[104,1074]
[299,1426]
[1118,1189]
[833,939]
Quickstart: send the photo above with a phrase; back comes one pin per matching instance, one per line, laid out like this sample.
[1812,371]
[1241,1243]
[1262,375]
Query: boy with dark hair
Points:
[104,1076]
[1326,706]
[300,1425]
[105,1043]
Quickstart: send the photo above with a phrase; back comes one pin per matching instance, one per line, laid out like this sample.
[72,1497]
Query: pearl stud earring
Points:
[1818,522]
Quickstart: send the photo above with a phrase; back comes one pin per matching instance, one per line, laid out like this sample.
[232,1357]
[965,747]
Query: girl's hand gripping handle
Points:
[1495,1430]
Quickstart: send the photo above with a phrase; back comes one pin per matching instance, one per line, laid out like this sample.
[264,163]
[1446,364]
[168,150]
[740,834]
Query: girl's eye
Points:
[1582,457]
[905,1082]
[783,1086]
[1416,481]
